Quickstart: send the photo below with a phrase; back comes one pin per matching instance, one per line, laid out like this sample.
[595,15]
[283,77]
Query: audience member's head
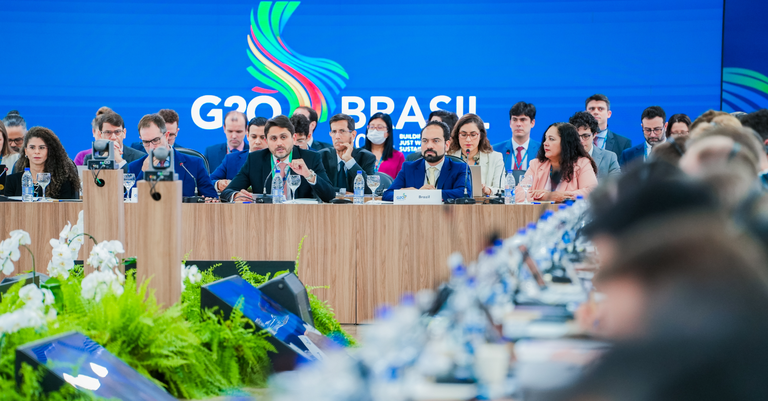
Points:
[112,128]
[600,107]
[171,124]
[469,136]
[311,114]
[522,118]
[301,130]
[256,138]
[706,117]
[16,127]
[587,127]
[381,132]
[738,114]
[671,151]
[5,150]
[279,132]
[562,146]
[234,128]
[678,125]
[758,121]
[342,132]
[654,124]
[42,152]
[448,117]
[435,137]
[748,139]
[152,132]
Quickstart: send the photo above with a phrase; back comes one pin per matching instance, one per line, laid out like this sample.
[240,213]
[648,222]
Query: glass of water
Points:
[526,183]
[294,181]
[128,180]
[43,179]
[373,182]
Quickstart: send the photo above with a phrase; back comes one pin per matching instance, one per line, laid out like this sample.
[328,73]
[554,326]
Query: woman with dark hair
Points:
[678,125]
[7,157]
[379,141]
[469,141]
[562,169]
[42,153]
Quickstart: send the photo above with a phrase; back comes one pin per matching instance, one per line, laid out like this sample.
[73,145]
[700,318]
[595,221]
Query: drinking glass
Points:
[294,181]
[43,179]
[373,182]
[128,180]
[526,183]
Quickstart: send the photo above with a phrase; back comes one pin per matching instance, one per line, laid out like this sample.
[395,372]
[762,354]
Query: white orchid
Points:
[65,250]
[9,250]
[99,283]
[103,257]
[21,237]
[190,272]
[33,313]
[31,295]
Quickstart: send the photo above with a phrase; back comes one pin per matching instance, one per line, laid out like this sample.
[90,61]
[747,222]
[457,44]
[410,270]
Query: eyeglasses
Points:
[155,141]
[585,137]
[16,140]
[107,134]
[378,127]
[472,135]
[171,135]
[340,132]
[657,130]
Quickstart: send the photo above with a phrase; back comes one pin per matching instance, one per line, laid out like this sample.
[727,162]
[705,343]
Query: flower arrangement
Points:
[66,248]
[9,250]
[32,308]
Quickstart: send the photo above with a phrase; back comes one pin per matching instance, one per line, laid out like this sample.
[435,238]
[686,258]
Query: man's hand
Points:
[408,189]
[145,166]
[346,154]
[243,196]
[300,167]
[212,200]
[487,191]
[427,186]
[222,184]
[118,153]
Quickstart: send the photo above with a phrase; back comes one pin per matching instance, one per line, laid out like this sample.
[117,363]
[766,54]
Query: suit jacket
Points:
[452,179]
[616,143]
[634,154]
[507,150]
[257,174]
[318,146]
[195,166]
[215,154]
[607,163]
[230,166]
[364,160]
[583,182]
[493,169]
[129,154]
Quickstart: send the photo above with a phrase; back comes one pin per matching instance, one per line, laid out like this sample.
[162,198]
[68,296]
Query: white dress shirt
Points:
[523,153]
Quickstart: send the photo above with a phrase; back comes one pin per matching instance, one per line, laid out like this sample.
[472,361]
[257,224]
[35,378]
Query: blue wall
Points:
[138,57]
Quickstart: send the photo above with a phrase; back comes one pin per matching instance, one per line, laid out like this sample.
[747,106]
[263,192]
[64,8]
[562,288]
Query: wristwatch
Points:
[312,176]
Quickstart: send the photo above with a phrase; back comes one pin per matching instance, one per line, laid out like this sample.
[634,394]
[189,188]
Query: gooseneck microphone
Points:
[466,200]
[510,161]
[190,174]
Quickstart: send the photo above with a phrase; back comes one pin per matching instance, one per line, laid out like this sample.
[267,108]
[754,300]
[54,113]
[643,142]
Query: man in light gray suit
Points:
[607,162]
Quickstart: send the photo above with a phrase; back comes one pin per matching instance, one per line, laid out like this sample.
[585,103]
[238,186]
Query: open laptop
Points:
[477,180]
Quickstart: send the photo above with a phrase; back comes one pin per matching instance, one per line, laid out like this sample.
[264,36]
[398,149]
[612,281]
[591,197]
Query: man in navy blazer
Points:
[191,170]
[653,120]
[234,127]
[600,107]
[434,170]
[520,149]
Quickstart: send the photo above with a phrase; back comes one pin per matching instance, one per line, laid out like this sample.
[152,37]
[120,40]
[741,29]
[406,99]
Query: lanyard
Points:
[290,158]
[378,163]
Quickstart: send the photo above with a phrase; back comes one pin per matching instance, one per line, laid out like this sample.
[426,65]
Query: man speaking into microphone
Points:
[259,168]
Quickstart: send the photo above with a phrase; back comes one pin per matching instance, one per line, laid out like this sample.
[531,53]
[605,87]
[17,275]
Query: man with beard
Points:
[435,171]
[653,121]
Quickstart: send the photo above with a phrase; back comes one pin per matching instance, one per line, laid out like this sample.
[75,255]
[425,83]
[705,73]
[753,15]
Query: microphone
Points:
[466,200]
[510,161]
[499,199]
[271,173]
[193,177]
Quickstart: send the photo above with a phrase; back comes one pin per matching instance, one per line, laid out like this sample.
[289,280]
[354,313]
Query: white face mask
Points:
[376,137]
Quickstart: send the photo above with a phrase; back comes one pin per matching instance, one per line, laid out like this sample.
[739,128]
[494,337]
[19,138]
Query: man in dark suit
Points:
[111,127]
[312,142]
[191,170]
[434,171]
[600,107]
[280,154]
[343,161]
[654,123]
[520,149]
[586,125]
[234,127]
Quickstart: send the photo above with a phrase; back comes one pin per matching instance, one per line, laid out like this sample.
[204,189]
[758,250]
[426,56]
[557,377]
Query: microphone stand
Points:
[499,199]
[467,199]
[192,199]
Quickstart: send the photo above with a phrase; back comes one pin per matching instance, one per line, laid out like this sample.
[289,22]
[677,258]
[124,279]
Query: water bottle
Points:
[277,187]
[509,190]
[359,188]
[27,186]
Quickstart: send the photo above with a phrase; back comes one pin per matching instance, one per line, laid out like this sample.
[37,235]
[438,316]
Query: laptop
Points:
[3,175]
[477,180]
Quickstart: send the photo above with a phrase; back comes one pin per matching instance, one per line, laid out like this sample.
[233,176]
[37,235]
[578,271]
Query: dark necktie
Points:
[341,177]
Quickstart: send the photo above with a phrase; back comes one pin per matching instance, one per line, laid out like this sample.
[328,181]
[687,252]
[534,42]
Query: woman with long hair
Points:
[379,141]
[469,141]
[562,169]
[43,153]
[7,157]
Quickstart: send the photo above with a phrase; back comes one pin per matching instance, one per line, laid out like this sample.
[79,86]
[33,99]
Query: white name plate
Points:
[418,197]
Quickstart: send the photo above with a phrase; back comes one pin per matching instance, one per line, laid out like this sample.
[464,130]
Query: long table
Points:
[368,255]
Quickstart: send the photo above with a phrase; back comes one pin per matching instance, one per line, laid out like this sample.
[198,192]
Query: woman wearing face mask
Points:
[562,169]
[378,140]
[470,142]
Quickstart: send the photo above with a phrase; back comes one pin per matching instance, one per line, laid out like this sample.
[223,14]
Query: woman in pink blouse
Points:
[378,140]
[562,169]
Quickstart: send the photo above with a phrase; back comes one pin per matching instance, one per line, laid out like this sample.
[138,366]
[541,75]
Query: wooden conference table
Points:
[368,255]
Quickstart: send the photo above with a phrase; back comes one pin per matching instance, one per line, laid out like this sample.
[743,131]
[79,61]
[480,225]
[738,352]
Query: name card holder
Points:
[418,197]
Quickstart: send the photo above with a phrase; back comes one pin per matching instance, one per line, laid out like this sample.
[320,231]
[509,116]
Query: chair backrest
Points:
[385,181]
[194,153]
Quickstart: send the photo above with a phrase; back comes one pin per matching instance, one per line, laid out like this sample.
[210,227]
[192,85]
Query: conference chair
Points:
[192,152]
[385,181]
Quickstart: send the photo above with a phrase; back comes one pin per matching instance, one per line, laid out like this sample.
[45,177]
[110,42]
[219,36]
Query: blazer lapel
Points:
[610,141]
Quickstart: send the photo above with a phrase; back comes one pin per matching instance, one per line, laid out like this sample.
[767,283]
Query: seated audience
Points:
[344,161]
[289,159]
[519,150]
[671,151]
[469,141]
[379,140]
[7,158]
[16,127]
[679,125]
[42,152]
[234,128]
[653,122]
[301,130]
[587,127]
[600,107]
[80,156]
[312,142]
[448,117]
[112,128]
[234,161]
[191,170]
[434,170]
[562,169]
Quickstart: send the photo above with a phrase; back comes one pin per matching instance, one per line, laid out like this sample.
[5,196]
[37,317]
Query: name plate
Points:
[418,197]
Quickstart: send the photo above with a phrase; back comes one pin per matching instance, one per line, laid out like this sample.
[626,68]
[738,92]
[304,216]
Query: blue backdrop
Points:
[745,56]
[65,59]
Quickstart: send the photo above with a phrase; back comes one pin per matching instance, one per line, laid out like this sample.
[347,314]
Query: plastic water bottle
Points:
[27,186]
[509,190]
[359,188]
[277,187]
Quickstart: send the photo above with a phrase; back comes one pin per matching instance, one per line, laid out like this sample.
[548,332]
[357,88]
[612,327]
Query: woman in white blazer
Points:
[469,140]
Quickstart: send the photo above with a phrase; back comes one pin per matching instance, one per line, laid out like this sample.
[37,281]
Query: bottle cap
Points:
[26,168]
[359,171]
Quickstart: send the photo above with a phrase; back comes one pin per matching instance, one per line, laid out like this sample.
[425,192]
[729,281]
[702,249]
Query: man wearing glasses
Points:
[653,121]
[587,127]
[112,128]
[343,161]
